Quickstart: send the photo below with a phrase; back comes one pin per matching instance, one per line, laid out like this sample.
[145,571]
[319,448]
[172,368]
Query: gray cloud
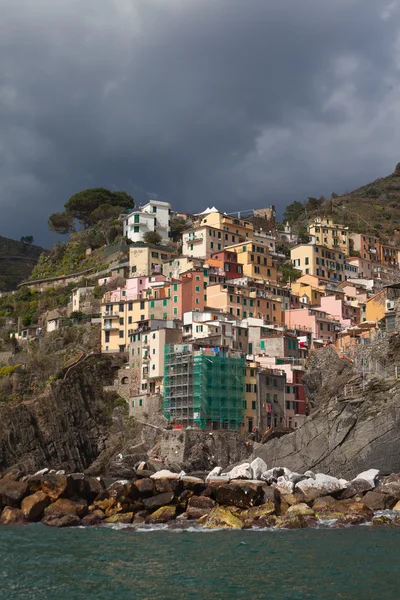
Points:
[200,102]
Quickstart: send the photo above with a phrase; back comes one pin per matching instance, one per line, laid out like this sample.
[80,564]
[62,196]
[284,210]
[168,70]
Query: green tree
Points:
[62,223]
[152,237]
[27,239]
[82,206]
[293,212]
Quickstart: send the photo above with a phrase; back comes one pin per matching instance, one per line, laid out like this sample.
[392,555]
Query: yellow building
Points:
[320,261]
[329,234]
[389,255]
[376,307]
[148,259]
[121,319]
[314,294]
[202,241]
[255,260]
[250,419]
[230,224]
[243,302]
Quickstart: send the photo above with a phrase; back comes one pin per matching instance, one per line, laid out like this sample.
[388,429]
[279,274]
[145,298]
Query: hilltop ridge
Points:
[17,261]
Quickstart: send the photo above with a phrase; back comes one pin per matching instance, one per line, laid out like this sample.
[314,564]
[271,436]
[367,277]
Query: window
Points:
[248,387]
[121,320]
[142,304]
[175,311]
[253,405]
[121,308]
[136,229]
[154,254]
[175,299]
[175,287]
[154,209]
[130,320]
[212,245]
[244,404]
[130,306]
[107,337]
[121,334]
[197,289]
[275,398]
[262,345]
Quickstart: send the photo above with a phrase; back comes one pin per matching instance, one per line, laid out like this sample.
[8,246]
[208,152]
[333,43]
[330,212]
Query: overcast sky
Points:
[236,103]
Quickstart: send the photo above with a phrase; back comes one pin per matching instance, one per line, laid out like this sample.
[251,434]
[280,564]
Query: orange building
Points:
[242,302]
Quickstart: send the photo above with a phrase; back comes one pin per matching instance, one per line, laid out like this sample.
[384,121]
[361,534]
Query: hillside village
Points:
[214,321]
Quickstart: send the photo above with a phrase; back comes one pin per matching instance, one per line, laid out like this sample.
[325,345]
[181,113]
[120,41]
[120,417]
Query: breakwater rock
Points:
[248,495]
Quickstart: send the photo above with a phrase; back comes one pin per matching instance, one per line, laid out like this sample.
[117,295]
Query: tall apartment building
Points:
[316,260]
[146,353]
[148,259]
[366,245]
[203,241]
[330,234]
[203,387]
[154,216]
[243,301]
[255,260]
[229,224]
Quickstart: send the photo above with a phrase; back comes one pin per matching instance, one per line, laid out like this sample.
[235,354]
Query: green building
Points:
[203,387]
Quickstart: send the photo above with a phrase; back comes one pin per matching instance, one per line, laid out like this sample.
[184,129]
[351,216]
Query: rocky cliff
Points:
[66,427]
[350,429]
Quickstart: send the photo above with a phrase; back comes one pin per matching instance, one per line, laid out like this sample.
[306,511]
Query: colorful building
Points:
[319,261]
[330,234]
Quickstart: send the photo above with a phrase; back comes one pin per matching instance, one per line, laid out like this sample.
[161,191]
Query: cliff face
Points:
[65,428]
[345,434]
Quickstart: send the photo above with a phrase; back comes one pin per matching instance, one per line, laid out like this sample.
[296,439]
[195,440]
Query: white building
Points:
[154,216]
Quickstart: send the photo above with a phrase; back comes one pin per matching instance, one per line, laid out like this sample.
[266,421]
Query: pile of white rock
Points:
[289,482]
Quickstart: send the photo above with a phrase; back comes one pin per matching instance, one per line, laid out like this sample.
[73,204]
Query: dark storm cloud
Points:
[227,102]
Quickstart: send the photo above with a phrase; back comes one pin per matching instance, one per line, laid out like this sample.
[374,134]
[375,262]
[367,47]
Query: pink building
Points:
[134,287]
[322,326]
[341,310]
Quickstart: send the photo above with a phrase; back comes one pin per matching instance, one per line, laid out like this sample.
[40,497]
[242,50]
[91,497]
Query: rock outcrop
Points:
[344,435]
[66,427]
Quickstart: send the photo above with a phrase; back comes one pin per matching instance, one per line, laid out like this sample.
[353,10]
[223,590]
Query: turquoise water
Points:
[103,564]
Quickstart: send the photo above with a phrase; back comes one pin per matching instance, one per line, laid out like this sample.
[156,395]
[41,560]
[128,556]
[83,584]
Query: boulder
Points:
[371,476]
[122,518]
[93,518]
[284,486]
[217,480]
[216,471]
[296,521]
[271,475]
[201,502]
[140,517]
[10,516]
[12,492]
[355,487]
[34,505]
[62,521]
[258,466]
[242,471]
[162,515]
[310,474]
[196,513]
[194,484]
[258,512]
[123,491]
[168,484]
[165,474]
[64,506]
[222,518]
[88,487]
[396,506]
[379,501]
[242,496]
[322,485]
[58,486]
[300,509]
[146,487]
[34,483]
[158,501]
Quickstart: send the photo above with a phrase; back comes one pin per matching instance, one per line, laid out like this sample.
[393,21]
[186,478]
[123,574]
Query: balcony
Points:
[196,238]
[110,315]
[110,327]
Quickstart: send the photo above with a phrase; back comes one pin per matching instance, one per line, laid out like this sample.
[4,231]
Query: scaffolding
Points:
[204,388]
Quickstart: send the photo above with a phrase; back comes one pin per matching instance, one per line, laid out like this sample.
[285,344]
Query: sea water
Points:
[39,562]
